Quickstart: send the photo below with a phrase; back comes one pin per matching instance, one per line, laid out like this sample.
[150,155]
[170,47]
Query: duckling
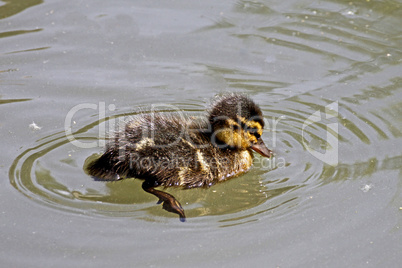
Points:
[174,150]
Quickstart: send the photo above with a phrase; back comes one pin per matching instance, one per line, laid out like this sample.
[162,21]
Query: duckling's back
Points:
[169,150]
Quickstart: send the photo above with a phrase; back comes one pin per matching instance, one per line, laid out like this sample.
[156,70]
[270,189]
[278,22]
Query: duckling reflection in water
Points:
[171,150]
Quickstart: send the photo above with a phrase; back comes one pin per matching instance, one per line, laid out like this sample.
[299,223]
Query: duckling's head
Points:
[237,122]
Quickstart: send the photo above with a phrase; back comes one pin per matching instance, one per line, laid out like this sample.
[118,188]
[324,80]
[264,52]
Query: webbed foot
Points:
[169,203]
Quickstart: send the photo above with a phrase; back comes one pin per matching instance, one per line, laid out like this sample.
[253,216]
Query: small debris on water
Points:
[367,187]
[34,126]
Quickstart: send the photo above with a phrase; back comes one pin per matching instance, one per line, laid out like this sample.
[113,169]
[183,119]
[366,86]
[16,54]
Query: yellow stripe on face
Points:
[232,138]
[251,124]
[240,138]
[256,125]
[251,137]
[242,119]
[231,122]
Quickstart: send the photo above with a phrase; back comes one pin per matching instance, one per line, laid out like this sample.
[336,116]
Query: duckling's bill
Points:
[261,148]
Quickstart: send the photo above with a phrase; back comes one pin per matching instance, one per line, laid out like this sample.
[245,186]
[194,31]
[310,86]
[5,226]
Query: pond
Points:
[326,74]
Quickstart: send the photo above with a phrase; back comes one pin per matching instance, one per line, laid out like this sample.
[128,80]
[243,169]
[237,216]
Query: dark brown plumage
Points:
[173,150]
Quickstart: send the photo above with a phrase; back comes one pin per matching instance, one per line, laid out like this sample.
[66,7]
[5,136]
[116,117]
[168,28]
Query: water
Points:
[327,76]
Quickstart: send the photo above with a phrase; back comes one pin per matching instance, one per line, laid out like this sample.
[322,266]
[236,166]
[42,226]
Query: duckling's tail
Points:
[101,169]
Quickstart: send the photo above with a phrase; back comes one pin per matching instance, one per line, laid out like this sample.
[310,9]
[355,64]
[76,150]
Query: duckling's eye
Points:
[254,131]
[235,127]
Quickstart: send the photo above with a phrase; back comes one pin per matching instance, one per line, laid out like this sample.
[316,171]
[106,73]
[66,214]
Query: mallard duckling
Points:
[173,150]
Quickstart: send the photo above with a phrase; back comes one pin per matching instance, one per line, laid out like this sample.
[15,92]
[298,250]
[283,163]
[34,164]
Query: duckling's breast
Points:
[242,162]
[212,165]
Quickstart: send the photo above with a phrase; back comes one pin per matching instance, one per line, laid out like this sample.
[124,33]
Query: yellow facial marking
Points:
[251,137]
[231,122]
[237,136]
[234,134]
[256,125]
[242,119]
[232,138]
[251,124]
